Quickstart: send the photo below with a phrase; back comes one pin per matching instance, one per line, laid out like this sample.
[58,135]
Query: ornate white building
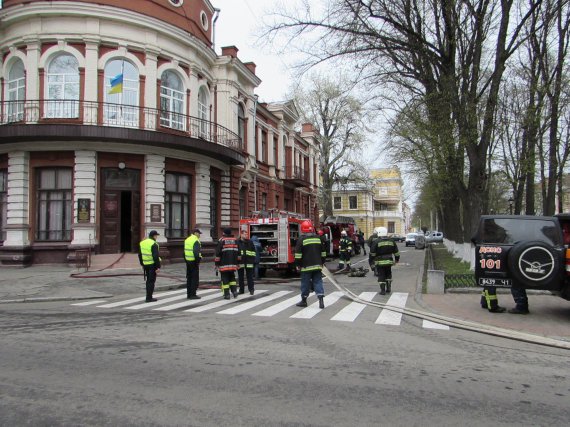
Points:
[118,117]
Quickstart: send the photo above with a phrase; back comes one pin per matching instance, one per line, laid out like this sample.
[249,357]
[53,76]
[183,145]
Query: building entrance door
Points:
[120,210]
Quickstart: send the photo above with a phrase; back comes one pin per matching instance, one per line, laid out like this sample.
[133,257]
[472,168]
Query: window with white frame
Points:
[337,202]
[62,88]
[3,202]
[172,106]
[203,112]
[352,202]
[121,106]
[177,205]
[16,92]
[53,195]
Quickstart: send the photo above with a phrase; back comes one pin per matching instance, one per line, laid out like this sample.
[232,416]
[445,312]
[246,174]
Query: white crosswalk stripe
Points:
[389,317]
[93,302]
[217,304]
[188,303]
[353,310]
[250,304]
[312,310]
[166,300]
[212,299]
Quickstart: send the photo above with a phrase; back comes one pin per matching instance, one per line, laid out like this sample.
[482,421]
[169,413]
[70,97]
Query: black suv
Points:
[522,251]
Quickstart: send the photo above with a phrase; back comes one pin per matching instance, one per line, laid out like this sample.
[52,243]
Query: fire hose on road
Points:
[456,323]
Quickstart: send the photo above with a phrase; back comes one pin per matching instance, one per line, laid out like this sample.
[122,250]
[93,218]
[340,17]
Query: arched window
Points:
[241,125]
[16,91]
[204,111]
[172,101]
[121,94]
[62,97]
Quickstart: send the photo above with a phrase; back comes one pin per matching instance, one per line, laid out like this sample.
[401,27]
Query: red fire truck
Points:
[333,225]
[277,232]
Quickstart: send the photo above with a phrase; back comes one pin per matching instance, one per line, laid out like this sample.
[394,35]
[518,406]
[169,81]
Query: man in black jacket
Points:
[385,254]
[310,257]
[150,260]
[246,256]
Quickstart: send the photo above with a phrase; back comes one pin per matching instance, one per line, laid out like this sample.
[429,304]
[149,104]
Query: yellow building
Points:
[378,204]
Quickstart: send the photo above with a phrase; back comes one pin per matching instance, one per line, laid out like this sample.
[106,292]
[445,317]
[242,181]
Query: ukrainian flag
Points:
[116,84]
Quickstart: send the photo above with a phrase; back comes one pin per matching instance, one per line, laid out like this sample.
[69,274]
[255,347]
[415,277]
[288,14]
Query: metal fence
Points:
[92,113]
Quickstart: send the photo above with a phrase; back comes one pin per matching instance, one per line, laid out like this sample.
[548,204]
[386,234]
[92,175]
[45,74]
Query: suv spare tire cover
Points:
[534,263]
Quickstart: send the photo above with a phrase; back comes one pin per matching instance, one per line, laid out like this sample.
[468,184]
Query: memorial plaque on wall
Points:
[83,210]
[155,213]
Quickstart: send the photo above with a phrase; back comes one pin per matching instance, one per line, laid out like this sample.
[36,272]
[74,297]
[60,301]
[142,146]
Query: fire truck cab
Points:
[277,232]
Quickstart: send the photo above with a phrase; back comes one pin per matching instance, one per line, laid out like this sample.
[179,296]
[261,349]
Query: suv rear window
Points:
[509,231]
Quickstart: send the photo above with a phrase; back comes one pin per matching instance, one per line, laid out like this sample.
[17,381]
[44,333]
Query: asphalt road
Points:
[63,364]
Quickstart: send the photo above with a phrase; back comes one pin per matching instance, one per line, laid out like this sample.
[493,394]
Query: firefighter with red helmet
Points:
[310,256]
[344,251]
[226,261]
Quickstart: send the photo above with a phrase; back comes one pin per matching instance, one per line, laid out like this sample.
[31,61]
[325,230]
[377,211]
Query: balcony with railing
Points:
[297,176]
[86,120]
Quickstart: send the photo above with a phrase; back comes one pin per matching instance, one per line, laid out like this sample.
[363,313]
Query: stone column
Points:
[202,201]
[154,194]
[226,198]
[16,246]
[85,187]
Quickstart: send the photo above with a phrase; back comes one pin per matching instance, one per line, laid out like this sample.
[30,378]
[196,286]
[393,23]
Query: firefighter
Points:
[246,263]
[371,241]
[385,254]
[192,256]
[344,251]
[150,260]
[310,256]
[490,301]
[226,261]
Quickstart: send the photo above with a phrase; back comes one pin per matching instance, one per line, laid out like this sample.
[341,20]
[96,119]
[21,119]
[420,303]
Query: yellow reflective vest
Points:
[189,248]
[146,251]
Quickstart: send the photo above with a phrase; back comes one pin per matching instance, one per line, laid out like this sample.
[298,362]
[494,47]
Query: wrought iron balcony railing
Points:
[297,173]
[91,113]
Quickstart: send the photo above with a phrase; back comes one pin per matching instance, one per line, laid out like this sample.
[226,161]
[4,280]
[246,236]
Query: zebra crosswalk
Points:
[266,303]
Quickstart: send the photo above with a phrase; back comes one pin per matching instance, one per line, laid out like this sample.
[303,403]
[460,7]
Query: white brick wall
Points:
[17,220]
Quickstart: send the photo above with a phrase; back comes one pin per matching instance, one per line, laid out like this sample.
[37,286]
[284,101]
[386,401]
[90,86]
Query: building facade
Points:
[376,205]
[119,117]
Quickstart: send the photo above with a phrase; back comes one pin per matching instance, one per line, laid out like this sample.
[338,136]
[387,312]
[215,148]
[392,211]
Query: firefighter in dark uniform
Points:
[385,254]
[246,263]
[310,256]
[371,241]
[150,260]
[192,256]
[344,251]
[226,261]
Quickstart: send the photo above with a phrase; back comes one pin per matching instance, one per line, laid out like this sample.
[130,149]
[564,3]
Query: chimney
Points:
[307,127]
[250,66]
[230,51]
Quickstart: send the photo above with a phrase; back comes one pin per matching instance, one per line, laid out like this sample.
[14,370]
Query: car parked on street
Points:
[398,238]
[411,239]
[434,237]
[523,251]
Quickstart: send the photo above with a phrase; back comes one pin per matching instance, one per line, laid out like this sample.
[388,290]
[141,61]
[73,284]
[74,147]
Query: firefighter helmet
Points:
[381,231]
[306,227]
[343,233]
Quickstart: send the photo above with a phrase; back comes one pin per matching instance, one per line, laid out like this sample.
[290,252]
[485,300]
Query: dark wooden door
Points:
[111,222]
[120,210]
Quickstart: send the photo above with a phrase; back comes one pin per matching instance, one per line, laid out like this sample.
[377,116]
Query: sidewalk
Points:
[549,315]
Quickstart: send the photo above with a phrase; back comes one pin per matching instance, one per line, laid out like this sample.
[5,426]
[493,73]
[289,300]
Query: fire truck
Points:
[277,232]
[332,226]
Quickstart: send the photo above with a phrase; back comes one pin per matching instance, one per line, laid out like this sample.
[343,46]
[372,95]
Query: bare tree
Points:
[332,107]
[451,53]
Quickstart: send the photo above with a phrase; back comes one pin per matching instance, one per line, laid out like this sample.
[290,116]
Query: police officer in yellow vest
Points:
[150,261]
[193,256]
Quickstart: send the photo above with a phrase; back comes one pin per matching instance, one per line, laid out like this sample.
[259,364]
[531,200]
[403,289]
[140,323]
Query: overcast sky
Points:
[238,25]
